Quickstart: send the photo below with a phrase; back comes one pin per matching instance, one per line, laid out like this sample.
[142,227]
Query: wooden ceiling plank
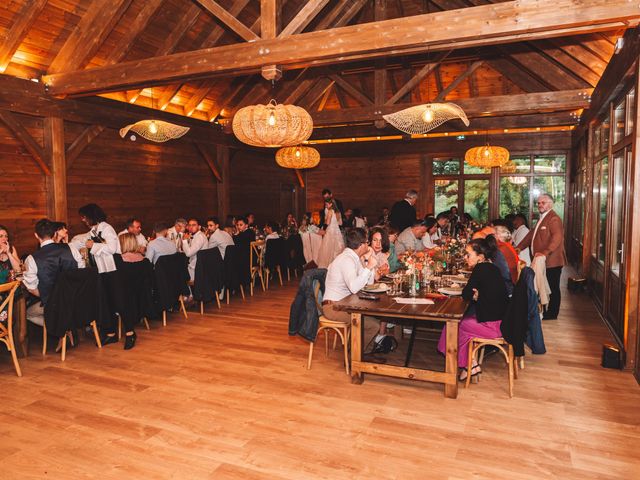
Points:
[217,31]
[26,139]
[315,93]
[24,20]
[167,95]
[87,37]
[417,78]
[517,75]
[582,54]
[567,62]
[131,34]
[197,97]
[473,107]
[306,14]
[351,90]
[81,143]
[226,98]
[461,78]
[228,19]
[490,24]
[209,160]
[325,97]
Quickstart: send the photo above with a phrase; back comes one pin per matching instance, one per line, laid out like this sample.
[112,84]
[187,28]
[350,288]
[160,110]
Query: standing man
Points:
[403,213]
[328,197]
[547,239]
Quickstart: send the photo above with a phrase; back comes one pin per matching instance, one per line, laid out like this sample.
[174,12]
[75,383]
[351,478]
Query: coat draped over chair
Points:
[303,315]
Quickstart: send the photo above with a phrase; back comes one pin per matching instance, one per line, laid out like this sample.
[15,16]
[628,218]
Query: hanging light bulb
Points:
[487,152]
[427,116]
[298,152]
[153,128]
[272,119]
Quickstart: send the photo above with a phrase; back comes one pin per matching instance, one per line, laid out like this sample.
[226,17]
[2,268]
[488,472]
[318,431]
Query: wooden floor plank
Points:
[227,396]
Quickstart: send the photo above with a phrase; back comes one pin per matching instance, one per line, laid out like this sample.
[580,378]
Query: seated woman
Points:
[394,263]
[488,296]
[379,241]
[62,233]
[503,239]
[130,248]
[9,259]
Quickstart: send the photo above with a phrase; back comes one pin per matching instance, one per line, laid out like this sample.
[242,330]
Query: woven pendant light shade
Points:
[422,118]
[487,156]
[517,180]
[442,183]
[508,167]
[155,130]
[298,157]
[272,125]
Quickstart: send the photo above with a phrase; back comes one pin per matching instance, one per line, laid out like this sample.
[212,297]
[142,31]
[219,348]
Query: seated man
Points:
[245,235]
[354,268]
[135,226]
[43,266]
[432,227]
[218,238]
[161,245]
[175,233]
[193,240]
[271,233]
[411,238]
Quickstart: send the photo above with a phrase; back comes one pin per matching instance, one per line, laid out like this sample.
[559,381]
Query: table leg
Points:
[20,326]
[356,348]
[451,360]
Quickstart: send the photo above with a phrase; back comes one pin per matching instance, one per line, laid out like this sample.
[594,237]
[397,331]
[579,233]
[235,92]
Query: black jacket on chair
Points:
[303,315]
[76,300]
[209,276]
[232,274]
[170,277]
[295,251]
[137,286]
[402,215]
[276,254]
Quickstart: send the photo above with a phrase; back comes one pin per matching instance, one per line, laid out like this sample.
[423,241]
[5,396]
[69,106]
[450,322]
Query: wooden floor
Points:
[227,396]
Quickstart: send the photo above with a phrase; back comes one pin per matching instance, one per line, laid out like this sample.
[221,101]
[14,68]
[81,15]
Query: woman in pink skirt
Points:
[488,296]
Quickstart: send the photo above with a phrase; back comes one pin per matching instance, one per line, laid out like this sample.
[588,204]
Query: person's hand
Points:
[322,232]
[475,294]
[89,244]
[384,269]
[4,248]
[186,236]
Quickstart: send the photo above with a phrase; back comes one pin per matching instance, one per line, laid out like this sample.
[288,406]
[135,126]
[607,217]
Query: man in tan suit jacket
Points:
[547,238]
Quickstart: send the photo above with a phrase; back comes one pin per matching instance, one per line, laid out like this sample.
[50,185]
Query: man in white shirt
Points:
[161,245]
[134,226]
[42,268]
[175,233]
[354,268]
[218,238]
[193,240]
[411,238]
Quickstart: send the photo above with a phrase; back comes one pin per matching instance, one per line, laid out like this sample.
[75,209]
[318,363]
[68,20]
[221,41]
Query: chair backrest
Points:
[295,251]
[137,282]
[171,275]
[209,274]
[7,303]
[276,253]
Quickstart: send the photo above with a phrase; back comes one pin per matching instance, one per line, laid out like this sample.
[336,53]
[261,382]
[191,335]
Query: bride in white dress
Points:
[332,242]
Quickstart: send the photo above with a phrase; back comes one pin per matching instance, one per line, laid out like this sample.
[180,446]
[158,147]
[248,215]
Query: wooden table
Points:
[449,311]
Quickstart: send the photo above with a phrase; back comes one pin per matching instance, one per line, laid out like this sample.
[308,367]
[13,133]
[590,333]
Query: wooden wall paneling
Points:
[21,133]
[57,181]
[23,186]
[81,142]
[224,187]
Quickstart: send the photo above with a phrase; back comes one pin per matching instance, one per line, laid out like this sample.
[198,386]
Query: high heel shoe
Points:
[107,339]
[130,341]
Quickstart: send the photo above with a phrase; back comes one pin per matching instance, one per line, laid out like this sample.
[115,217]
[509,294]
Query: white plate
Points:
[378,288]
[450,291]
[466,272]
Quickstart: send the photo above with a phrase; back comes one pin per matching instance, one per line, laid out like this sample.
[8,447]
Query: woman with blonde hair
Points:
[130,248]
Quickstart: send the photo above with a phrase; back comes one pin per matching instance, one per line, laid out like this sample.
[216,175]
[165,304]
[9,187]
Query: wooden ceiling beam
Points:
[229,20]
[26,139]
[81,143]
[226,98]
[459,79]
[217,31]
[198,96]
[473,107]
[306,14]
[268,19]
[24,20]
[498,23]
[417,78]
[315,93]
[567,62]
[137,26]
[355,93]
[209,160]
[87,37]
[517,75]
[167,95]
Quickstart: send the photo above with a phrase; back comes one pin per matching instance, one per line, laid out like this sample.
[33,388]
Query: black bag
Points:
[387,345]
[611,357]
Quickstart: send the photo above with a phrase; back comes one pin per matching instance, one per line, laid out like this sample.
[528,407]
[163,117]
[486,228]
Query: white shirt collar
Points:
[46,242]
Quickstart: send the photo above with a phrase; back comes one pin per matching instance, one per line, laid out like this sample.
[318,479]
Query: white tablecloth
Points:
[311,246]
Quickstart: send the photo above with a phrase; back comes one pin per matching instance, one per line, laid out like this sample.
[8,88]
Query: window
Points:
[602,227]
[446,193]
[476,199]
[549,163]
[631,102]
[618,122]
[606,128]
[554,186]
[617,211]
[446,166]
[514,195]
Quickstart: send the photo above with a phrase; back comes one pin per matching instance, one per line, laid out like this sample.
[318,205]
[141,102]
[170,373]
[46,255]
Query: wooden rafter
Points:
[306,14]
[351,90]
[499,23]
[209,160]
[570,64]
[228,19]
[417,78]
[474,107]
[200,94]
[316,92]
[325,98]
[268,19]
[518,75]
[87,37]
[226,98]
[26,139]
[299,177]
[461,78]
[167,95]
[81,143]
[25,19]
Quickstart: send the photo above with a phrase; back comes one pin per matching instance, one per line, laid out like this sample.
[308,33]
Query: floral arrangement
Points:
[414,262]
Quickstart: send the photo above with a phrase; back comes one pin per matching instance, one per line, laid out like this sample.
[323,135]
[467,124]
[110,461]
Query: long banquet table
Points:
[449,311]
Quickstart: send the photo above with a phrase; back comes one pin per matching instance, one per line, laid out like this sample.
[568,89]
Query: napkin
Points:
[414,301]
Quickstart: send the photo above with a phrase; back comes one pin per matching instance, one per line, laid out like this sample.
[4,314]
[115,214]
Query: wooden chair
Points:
[505,348]
[342,330]
[183,309]
[256,265]
[6,332]
[68,334]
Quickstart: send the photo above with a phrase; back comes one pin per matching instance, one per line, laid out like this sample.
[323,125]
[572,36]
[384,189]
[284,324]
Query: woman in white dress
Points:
[332,242]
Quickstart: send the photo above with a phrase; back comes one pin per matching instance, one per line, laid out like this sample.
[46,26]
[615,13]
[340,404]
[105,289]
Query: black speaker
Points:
[611,357]
[576,284]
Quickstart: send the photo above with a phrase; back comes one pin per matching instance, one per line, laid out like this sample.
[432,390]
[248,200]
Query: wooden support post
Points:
[380,74]
[57,181]
[224,201]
